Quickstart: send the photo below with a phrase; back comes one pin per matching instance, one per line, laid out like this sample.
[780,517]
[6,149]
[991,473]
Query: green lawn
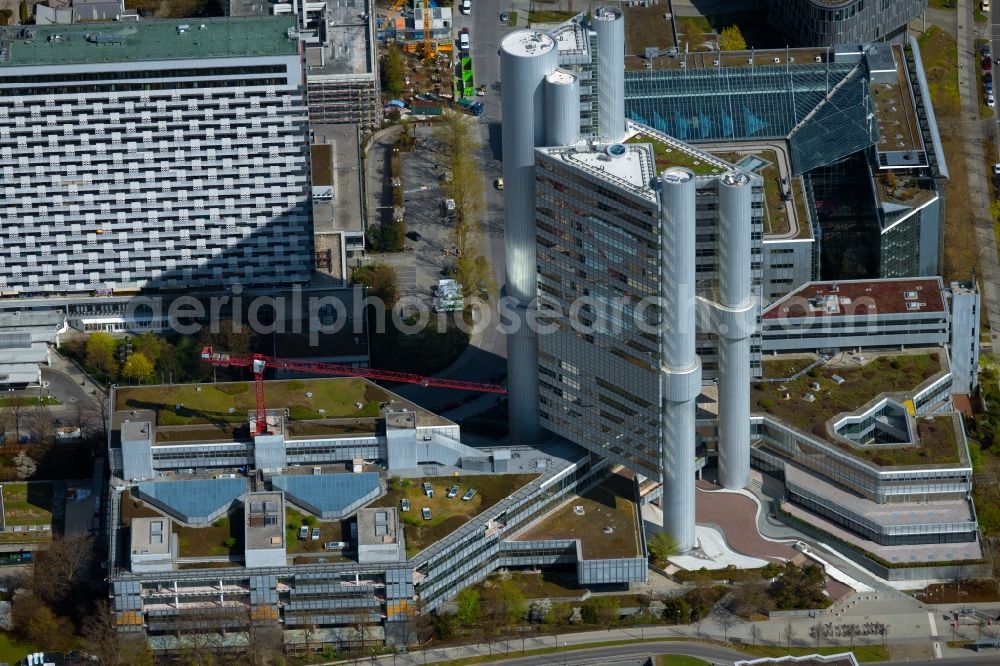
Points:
[447,514]
[606,505]
[27,402]
[940,59]
[329,530]
[862,652]
[13,649]
[550,16]
[535,586]
[886,374]
[667,156]
[230,402]
[210,540]
[28,503]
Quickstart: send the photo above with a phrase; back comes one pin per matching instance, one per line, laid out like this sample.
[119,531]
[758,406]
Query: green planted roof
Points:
[82,43]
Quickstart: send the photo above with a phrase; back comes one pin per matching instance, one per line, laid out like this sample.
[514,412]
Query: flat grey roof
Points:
[264,520]
[344,212]
[897,513]
[150,536]
[149,40]
[348,50]
[377,526]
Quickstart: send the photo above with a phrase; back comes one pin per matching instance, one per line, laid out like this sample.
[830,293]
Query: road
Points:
[485,359]
[976,133]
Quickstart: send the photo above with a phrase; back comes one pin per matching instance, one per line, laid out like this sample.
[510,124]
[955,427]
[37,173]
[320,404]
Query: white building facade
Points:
[153,155]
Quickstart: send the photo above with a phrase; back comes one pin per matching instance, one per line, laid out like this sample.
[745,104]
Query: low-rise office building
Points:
[870,451]
[859,315]
[306,544]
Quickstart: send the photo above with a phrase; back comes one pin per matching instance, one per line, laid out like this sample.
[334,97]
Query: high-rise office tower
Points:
[650,250]
[153,154]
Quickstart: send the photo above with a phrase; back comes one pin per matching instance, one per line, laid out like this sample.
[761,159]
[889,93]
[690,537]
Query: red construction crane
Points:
[258,362]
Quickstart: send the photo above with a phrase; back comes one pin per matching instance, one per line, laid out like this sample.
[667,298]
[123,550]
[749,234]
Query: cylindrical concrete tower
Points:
[681,371]
[609,24]
[562,108]
[526,58]
[735,323]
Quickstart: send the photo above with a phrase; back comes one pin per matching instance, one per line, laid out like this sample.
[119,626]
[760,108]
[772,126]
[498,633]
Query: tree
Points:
[13,414]
[510,604]
[381,280]
[25,466]
[25,11]
[137,369]
[101,636]
[799,588]
[749,599]
[39,420]
[755,633]
[726,620]
[468,606]
[789,635]
[731,39]
[99,410]
[101,352]
[36,622]
[393,70]
[58,567]
[851,630]
[444,625]
[661,547]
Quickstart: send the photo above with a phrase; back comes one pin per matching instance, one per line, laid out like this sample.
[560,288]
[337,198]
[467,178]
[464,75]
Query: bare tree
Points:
[851,630]
[102,638]
[749,599]
[755,633]
[82,418]
[99,410]
[726,620]
[13,415]
[58,567]
[39,421]
[263,636]
[790,634]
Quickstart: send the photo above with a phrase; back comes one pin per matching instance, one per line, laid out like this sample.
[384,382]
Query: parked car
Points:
[465,7]
[504,17]
[452,491]
[315,534]
[404,504]
[463,40]
[498,183]
[469,495]
[413,235]
[426,513]
[303,532]
[990,101]
[428,489]
[987,64]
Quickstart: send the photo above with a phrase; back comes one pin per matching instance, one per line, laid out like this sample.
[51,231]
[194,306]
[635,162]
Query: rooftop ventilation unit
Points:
[819,58]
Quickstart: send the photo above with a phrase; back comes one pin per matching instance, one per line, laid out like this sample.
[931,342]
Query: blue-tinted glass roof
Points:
[194,497]
[822,109]
[328,492]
